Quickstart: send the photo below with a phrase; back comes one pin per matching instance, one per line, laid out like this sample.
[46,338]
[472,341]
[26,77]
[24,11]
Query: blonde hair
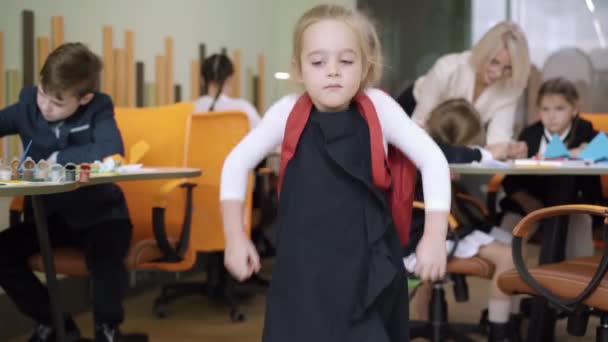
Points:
[510,36]
[371,52]
[456,122]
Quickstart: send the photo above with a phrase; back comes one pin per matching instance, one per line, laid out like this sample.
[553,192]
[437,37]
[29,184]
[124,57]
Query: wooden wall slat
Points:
[130,68]
[3,150]
[14,85]
[236,79]
[57,31]
[108,61]
[150,94]
[119,78]
[177,93]
[261,94]
[2,81]
[27,37]
[195,79]
[140,84]
[169,74]
[160,80]
[44,48]
[202,54]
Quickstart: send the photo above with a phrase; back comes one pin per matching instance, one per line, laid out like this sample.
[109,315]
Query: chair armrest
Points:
[476,203]
[172,254]
[522,230]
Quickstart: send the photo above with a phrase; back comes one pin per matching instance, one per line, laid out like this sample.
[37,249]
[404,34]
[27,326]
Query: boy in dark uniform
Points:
[68,121]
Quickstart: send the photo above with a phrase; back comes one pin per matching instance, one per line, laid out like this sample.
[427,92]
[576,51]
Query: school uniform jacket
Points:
[89,134]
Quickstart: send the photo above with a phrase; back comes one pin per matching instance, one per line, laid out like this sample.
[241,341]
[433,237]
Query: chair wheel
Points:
[237,316]
[160,311]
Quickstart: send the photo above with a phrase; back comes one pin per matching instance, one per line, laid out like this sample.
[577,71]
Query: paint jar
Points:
[85,172]
[6,173]
[70,172]
[27,169]
[56,173]
[42,171]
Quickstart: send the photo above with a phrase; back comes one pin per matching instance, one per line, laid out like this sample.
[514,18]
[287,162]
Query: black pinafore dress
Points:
[338,275]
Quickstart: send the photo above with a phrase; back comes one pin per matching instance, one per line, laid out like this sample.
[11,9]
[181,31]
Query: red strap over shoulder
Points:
[296,122]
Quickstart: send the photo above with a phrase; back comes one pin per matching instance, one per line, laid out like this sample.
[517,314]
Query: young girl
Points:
[338,274]
[456,123]
[558,109]
[216,73]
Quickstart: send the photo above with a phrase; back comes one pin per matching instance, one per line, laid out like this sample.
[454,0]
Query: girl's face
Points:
[497,68]
[556,113]
[330,64]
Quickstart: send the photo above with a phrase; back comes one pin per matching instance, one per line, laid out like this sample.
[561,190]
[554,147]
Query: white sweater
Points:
[224,102]
[453,77]
[397,129]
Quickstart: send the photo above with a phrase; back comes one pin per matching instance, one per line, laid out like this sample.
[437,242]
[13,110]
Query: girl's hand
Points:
[240,256]
[499,150]
[517,150]
[431,257]
[576,151]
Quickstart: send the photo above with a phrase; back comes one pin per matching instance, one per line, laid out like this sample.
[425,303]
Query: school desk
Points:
[36,189]
[542,319]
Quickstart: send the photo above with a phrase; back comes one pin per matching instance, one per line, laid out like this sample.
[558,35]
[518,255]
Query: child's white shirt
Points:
[224,102]
[397,129]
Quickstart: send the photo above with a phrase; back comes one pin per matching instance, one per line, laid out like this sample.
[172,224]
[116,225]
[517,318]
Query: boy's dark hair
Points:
[216,68]
[70,67]
[559,86]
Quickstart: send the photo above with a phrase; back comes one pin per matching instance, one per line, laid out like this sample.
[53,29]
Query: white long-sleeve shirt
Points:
[453,77]
[397,129]
[224,102]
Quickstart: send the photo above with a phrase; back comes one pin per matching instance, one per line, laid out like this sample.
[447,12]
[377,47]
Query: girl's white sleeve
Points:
[262,140]
[400,131]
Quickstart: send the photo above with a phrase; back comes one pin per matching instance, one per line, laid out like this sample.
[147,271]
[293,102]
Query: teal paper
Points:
[597,149]
[556,148]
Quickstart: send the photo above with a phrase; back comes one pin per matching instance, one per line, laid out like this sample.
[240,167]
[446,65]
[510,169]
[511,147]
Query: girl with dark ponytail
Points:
[216,74]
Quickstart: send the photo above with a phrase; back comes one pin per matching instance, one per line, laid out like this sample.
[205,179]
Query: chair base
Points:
[219,286]
[445,331]
[437,328]
[134,337]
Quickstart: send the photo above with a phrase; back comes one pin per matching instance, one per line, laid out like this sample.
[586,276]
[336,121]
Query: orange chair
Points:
[160,214]
[438,328]
[212,137]
[577,287]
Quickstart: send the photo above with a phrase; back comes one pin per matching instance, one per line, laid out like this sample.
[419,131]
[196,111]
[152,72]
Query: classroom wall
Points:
[255,27]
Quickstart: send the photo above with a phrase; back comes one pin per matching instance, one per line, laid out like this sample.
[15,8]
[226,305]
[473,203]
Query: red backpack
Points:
[394,173]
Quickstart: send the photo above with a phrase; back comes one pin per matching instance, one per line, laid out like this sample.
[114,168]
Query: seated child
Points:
[558,111]
[68,121]
[216,73]
[455,125]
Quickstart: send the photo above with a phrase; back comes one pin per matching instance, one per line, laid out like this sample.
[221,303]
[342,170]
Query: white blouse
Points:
[397,128]
[224,102]
[453,77]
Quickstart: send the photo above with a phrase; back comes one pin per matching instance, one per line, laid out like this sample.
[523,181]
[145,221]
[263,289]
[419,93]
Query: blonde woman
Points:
[492,76]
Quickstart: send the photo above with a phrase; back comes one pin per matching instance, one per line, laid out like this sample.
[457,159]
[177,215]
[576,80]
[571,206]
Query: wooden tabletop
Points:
[15,188]
[24,188]
[541,170]
[146,173]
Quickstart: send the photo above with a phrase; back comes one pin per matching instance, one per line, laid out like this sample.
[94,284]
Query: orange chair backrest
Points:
[212,137]
[165,130]
[600,123]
